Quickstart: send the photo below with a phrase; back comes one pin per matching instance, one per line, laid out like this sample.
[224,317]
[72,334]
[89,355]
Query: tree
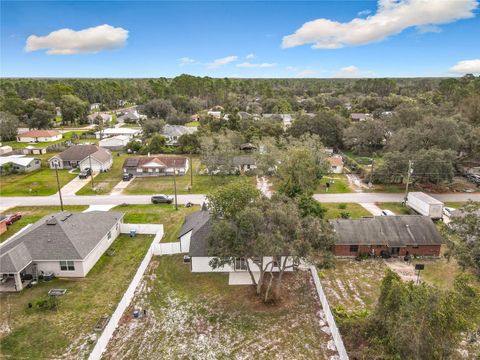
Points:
[230,199]
[156,144]
[8,126]
[39,113]
[73,109]
[217,151]
[152,126]
[366,137]
[189,144]
[269,233]
[464,237]
[158,108]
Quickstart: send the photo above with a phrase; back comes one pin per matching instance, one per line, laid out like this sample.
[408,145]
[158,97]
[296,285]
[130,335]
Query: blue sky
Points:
[148,39]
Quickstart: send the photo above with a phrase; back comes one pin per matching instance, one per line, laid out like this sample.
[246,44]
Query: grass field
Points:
[193,124]
[37,183]
[32,214]
[165,214]
[334,210]
[105,182]
[199,316]
[338,184]
[397,208]
[34,333]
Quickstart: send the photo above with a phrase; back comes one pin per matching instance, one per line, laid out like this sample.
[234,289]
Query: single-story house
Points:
[96,117]
[155,165]
[65,244]
[244,163]
[39,136]
[173,132]
[397,235]
[129,117]
[18,164]
[248,147]
[360,116]
[95,106]
[108,132]
[115,142]
[82,156]
[193,237]
[215,114]
[285,118]
[5,149]
[336,164]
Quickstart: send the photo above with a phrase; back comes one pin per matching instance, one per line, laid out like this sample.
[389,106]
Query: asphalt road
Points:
[8,202]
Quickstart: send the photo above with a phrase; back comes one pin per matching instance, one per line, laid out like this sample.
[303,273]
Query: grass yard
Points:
[199,316]
[37,183]
[105,182]
[165,214]
[32,214]
[68,333]
[193,124]
[66,136]
[397,208]
[334,210]
[338,184]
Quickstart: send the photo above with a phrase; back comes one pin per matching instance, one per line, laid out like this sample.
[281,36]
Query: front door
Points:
[394,251]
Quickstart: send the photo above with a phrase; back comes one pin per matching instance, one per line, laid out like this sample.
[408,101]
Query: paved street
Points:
[7,202]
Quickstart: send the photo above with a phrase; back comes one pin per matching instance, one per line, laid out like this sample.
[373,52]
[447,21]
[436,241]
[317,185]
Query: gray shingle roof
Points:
[243,160]
[77,152]
[199,224]
[393,231]
[178,130]
[63,238]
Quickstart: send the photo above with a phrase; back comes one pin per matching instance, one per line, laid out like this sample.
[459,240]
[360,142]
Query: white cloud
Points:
[306,73]
[259,65]
[348,71]
[250,56]
[185,61]
[466,67]
[68,41]
[428,29]
[364,12]
[222,61]
[392,17]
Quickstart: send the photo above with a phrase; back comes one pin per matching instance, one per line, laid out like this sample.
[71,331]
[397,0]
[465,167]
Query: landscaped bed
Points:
[40,182]
[199,316]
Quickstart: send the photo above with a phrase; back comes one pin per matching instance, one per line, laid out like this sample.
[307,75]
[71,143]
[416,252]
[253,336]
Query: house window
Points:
[353,248]
[240,264]
[150,170]
[139,170]
[109,235]
[67,265]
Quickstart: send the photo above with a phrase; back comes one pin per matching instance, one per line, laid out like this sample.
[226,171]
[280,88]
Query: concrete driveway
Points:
[75,185]
[118,189]
[372,208]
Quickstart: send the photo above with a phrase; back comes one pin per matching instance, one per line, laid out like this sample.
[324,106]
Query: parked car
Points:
[127,177]
[388,213]
[11,218]
[161,199]
[85,173]
[448,211]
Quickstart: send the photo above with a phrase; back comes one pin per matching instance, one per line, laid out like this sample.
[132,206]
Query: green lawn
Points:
[199,316]
[31,214]
[40,182]
[397,208]
[338,184]
[45,334]
[193,124]
[334,210]
[104,182]
[165,214]
[66,136]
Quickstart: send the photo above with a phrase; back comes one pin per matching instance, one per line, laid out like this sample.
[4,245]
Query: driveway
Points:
[118,189]
[75,185]
[372,208]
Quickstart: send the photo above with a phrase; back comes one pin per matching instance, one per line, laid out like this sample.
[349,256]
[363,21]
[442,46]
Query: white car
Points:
[448,211]
[388,213]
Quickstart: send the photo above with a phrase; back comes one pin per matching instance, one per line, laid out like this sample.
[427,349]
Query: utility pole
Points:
[410,170]
[175,183]
[91,171]
[58,185]
[371,171]
[191,172]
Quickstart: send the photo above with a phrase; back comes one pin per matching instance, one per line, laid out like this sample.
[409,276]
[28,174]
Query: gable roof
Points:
[39,133]
[138,162]
[61,236]
[177,130]
[335,160]
[22,161]
[77,152]
[199,224]
[102,155]
[392,231]
[243,160]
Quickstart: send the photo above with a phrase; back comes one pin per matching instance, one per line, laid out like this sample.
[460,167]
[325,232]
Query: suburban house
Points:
[108,132]
[215,114]
[173,132]
[95,106]
[285,118]
[65,244]
[5,149]
[129,117]
[193,237]
[83,156]
[395,235]
[115,142]
[244,163]
[360,116]
[96,117]
[39,136]
[18,164]
[336,164]
[155,165]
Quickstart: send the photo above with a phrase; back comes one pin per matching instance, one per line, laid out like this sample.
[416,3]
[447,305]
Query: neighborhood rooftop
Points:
[163,161]
[39,133]
[60,236]
[198,223]
[392,231]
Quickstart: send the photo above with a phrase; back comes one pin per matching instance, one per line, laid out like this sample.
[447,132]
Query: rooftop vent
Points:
[67,215]
[51,221]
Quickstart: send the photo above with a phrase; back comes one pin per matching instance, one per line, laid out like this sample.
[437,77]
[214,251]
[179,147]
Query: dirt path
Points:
[355,183]
[264,186]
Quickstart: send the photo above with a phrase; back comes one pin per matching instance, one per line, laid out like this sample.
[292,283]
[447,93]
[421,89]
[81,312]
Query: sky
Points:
[323,39]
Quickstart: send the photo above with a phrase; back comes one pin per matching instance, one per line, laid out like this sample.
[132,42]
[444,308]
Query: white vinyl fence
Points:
[337,339]
[167,248]
[107,333]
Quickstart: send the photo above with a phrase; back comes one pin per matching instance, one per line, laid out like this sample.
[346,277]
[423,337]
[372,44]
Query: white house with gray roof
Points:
[65,244]
[173,132]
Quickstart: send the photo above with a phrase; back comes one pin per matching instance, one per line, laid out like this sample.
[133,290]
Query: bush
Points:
[342,206]
[345,215]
